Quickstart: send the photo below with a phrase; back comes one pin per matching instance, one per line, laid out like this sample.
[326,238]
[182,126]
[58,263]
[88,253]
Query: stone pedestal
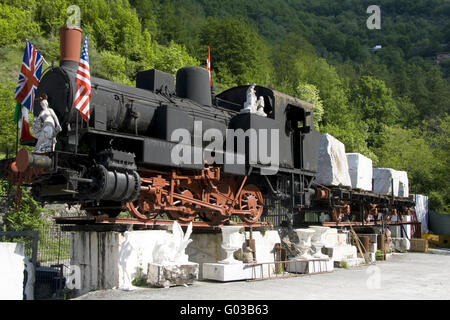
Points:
[229,272]
[310,266]
[338,249]
[171,275]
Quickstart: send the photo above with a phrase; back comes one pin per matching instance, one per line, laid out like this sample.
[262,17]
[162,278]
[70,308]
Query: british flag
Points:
[83,80]
[29,77]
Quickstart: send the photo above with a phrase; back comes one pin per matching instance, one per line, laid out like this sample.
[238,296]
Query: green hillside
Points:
[390,104]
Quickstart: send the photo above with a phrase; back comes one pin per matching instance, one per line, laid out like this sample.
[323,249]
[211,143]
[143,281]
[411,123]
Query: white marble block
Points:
[344,252]
[360,170]
[422,211]
[310,266]
[172,275]
[11,270]
[403,184]
[229,272]
[332,165]
[382,182]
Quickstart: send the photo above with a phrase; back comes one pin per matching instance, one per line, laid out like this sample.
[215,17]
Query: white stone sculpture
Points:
[318,240]
[231,241]
[124,254]
[45,127]
[250,104]
[260,107]
[304,243]
[172,252]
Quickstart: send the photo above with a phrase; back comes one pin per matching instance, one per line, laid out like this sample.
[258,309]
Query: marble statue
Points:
[45,127]
[173,252]
[250,104]
[260,107]
[125,251]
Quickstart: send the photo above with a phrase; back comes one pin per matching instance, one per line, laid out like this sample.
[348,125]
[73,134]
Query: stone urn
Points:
[231,241]
[304,243]
[318,240]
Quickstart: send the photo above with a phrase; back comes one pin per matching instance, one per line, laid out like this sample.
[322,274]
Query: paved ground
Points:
[405,276]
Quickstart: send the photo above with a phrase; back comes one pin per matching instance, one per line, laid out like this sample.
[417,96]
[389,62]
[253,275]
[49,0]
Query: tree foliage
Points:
[390,104]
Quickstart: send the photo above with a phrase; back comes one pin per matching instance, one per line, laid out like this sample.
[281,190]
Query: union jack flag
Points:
[83,80]
[29,77]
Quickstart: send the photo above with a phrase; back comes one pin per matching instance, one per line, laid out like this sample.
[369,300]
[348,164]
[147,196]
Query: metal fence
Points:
[49,251]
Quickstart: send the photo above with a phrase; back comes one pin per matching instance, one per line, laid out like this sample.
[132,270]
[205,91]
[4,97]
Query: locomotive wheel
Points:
[180,215]
[220,196]
[251,199]
[141,208]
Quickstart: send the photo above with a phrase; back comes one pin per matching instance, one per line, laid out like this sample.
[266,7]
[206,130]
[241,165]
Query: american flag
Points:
[29,77]
[208,66]
[83,80]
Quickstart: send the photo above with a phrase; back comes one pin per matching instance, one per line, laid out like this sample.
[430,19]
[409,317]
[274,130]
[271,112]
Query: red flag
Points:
[24,126]
[208,66]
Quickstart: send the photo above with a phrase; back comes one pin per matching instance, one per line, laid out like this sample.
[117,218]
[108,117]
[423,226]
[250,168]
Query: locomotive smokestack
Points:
[69,46]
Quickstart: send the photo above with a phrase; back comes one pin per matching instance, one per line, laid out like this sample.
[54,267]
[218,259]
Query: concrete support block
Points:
[265,244]
[96,254]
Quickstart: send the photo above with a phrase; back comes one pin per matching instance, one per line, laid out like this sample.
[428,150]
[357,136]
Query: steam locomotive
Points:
[123,157]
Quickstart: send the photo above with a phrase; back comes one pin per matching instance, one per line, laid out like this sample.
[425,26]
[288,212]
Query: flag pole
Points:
[17,138]
[76,133]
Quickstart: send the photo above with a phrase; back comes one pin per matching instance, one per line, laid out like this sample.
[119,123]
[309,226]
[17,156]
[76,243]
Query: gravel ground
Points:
[404,276]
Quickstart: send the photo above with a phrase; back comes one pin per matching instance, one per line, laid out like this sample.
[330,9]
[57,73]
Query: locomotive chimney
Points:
[69,46]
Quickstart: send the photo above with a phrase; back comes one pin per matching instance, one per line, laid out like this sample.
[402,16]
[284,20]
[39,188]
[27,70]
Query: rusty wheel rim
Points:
[251,199]
[141,208]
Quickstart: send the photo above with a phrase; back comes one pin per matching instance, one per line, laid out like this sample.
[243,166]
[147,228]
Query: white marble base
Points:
[310,266]
[344,252]
[172,275]
[11,270]
[229,272]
